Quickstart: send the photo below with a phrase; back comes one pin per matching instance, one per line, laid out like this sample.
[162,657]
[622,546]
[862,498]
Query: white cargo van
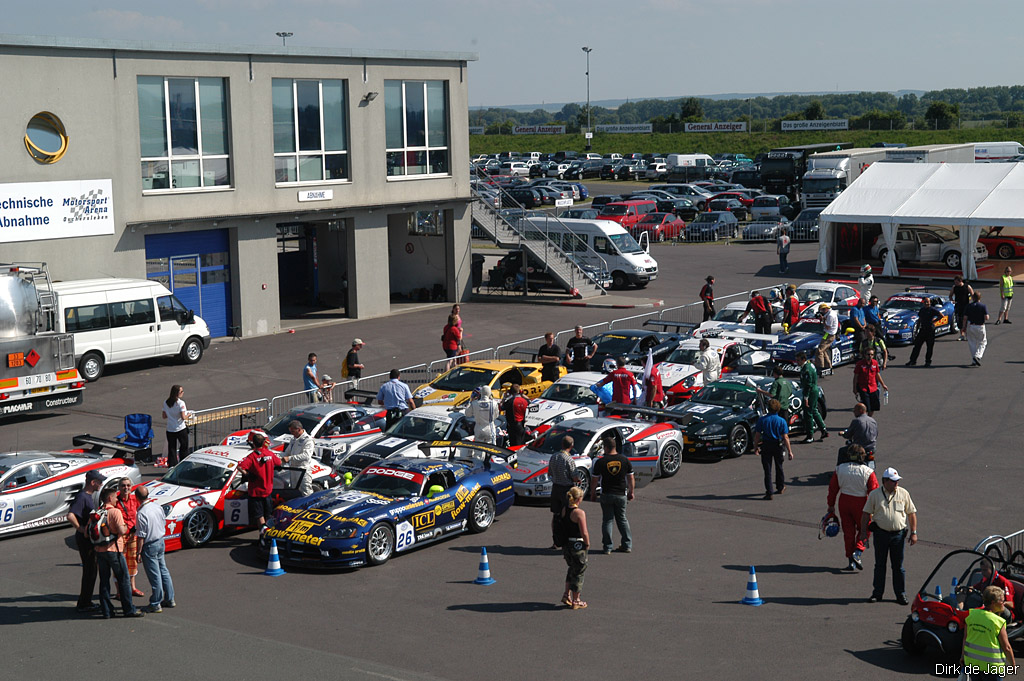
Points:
[120,320]
[602,243]
[699,160]
[997,152]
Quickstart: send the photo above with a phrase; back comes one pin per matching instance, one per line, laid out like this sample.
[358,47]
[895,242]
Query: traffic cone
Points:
[484,576]
[274,562]
[752,597]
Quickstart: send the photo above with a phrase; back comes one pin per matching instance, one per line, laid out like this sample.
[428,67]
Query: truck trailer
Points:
[932,153]
[829,173]
[784,168]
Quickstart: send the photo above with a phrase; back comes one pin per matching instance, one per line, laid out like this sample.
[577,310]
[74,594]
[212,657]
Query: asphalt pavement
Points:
[670,609]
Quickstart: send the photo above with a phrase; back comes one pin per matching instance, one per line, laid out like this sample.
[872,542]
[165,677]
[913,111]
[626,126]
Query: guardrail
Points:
[1007,545]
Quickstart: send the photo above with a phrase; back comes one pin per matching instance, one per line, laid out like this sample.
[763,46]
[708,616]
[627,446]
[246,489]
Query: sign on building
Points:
[624,128]
[834,124]
[719,126]
[31,211]
[538,130]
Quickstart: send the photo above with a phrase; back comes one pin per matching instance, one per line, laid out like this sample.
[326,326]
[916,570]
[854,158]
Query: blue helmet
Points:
[829,525]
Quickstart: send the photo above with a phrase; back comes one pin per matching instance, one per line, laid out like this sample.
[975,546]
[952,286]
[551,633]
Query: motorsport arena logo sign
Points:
[538,130]
[719,126]
[32,211]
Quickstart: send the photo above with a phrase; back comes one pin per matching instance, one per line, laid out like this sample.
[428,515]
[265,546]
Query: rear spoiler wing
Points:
[101,445]
[666,325]
[489,451]
[358,396]
[926,289]
[764,338]
[659,414]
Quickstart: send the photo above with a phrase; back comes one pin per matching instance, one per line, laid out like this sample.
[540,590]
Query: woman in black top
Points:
[575,544]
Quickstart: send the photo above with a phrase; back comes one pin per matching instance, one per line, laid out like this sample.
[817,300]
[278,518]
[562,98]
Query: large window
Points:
[183,133]
[416,118]
[310,130]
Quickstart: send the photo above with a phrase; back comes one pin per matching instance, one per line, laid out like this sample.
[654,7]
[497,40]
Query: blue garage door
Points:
[195,266]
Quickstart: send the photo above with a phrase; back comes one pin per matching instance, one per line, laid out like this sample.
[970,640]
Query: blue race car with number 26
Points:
[395,505]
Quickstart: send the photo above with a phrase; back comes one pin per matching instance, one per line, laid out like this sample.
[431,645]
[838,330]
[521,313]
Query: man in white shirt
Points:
[299,454]
[830,320]
[150,524]
[708,362]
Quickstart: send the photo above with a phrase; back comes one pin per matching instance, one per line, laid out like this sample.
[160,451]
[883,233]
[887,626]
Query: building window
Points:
[426,223]
[183,133]
[416,126]
[310,130]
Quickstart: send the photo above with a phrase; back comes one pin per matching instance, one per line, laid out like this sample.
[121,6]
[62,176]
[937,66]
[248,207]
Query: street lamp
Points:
[588,50]
[284,35]
[750,117]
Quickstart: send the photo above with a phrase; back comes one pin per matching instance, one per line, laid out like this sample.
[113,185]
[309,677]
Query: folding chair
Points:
[138,432]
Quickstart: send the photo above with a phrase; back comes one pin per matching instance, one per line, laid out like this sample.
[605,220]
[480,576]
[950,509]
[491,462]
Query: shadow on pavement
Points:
[527,606]
[813,480]
[791,569]
[716,497]
[509,550]
[893,658]
[40,608]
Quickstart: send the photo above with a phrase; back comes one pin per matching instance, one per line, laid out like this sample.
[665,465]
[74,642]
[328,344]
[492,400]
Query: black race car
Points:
[633,345]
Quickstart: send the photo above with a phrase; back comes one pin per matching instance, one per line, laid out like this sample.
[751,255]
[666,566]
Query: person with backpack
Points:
[107,531]
[78,515]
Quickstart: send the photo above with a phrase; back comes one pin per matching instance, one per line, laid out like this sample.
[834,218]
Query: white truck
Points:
[830,172]
[997,152]
[37,365]
[932,153]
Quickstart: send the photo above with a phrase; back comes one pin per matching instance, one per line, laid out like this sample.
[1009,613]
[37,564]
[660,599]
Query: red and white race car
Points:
[204,494]
[834,292]
[681,379]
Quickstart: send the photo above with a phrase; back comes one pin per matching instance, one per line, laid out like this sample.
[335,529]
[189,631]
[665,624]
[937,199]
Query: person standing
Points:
[258,467]
[579,350]
[873,316]
[451,338]
[1006,294]
[129,507]
[707,297]
[771,437]
[654,390]
[873,342]
[830,323]
[614,473]
[623,382]
[577,543]
[395,397]
[986,645]
[485,411]
[311,378]
[762,311]
[561,467]
[890,513]
[858,320]
[809,388]
[299,454]
[708,361]
[782,248]
[851,482]
[977,340]
[781,389]
[550,356]
[866,282]
[150,529]
[353,367]
[177,415]
[790,309]
[515,406]
[110,556]
[960,294]
[866,379]
[926,318]
[78,515]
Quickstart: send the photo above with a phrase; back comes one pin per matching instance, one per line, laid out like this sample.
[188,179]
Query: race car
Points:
[834,292]
[805,336]
[335,428]
[455,387]
[655,452]
[728,319]
[680,378]
[204,494]
[1000,246]
[569,397]
[395,506]
[899,315]
[37,488]
[632,344]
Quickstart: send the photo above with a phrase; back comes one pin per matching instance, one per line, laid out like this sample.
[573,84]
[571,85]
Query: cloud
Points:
[136,25]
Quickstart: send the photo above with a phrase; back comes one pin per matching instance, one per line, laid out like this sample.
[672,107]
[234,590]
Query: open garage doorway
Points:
[416,254]
[312,269]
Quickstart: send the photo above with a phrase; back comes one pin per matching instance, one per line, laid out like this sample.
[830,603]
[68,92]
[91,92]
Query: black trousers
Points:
[177,446]
[516,433]
[762,324]
[771,453]
[88,556]
[923,338]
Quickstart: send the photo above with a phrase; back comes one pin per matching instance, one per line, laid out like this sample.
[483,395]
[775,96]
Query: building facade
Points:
[251,181]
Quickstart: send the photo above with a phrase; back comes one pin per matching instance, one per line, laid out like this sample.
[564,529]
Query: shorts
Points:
[259,507]
[451,353]
[870,400]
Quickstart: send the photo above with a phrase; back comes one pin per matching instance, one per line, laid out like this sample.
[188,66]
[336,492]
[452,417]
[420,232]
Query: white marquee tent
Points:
[964,196]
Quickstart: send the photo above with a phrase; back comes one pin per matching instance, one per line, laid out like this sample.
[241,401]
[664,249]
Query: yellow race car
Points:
[455,386]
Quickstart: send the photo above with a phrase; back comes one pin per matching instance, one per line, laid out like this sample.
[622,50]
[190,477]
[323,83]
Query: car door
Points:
[132,329]
[32,498]
[642,453]
[930,245]
[906,245]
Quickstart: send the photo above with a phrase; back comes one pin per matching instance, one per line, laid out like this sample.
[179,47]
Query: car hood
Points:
[541,411]
[672,373]
[167,493]
[899,315]
[431,395]
[338,502]
[792,343]
[696,415]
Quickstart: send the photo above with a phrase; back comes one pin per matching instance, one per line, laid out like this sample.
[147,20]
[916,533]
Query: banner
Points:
[476,130]
[624,128]
[538,130]
[32,211]
[721,126]
[837,124]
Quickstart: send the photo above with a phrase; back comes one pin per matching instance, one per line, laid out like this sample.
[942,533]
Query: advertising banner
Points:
[476,130]
[720,126]
[624,128]
[31,211]
[837,124]
[538,130]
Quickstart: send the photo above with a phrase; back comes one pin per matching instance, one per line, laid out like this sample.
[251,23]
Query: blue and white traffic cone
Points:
[274,562]
[752,597]
[484,575]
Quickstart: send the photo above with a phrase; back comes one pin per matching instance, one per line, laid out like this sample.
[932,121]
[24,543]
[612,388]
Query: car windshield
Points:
[823,185]
[279,426]
[573,394]
[808,215]
[728,315]
[3,470]
[903,304]
[946,234]
[614,209]
[551,441]
[615,344]
[808,326]
[625,243]
[813,295]
[725,394]
[464,379]
[198,473]
[684,356]
[652,217]
[418,428]
[388,482]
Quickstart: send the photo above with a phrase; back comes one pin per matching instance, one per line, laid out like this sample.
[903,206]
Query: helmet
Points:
[609,365]
[829,525]
[865,269]
[256,438]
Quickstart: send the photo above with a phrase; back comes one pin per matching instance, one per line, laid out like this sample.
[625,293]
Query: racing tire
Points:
[670,460]
[909,641]
[739,441]
[192,351]
[198,528]
[481,513]
[619,280]
[380,544]
[1004,252]
[581,479]
[91,366]
[952,260]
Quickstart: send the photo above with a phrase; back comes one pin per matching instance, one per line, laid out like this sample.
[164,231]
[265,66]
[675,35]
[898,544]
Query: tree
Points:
[814,111]
[692,111]
[941,115]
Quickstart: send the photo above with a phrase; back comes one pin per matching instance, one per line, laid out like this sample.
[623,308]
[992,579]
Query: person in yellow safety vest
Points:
[986,652]
[1006,292]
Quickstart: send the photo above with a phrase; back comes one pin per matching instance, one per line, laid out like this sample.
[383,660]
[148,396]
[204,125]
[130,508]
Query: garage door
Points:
[195,266]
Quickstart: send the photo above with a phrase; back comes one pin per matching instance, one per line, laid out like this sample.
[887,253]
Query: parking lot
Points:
[671,608]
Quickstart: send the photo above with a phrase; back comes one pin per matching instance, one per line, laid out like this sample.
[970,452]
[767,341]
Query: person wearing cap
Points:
[78,515]
[258,469]
[395,397]
[299,454]
[353,369]
[830,322]
[707,297]
[890,513]
[866,282]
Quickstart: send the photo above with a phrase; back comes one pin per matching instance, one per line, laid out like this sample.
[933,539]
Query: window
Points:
[310,130]
[86,318]
[416,127]
[183,133]
[170,308]
[131,312]
[426,223]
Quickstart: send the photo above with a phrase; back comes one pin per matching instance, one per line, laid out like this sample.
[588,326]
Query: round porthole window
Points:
[45,138]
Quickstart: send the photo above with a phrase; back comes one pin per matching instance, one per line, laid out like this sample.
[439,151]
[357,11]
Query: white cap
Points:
[891,474]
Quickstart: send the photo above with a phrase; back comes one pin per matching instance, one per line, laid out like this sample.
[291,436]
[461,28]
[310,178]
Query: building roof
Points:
[66,43]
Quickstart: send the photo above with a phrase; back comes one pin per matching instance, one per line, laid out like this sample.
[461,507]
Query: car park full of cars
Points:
[712,226]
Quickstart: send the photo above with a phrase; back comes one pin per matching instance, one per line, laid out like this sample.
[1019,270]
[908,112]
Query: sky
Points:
[530,52]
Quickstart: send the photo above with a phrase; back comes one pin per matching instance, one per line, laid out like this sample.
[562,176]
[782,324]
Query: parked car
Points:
[628,212]
[684,208]
[551,194]
[657,172]
[580,213]
[659,226]
[765,229]
[1000,246]
[805,226]
[600,201]
[527,197]
[926,244]
[558,169]
[731,205]
[743,197]
[712,226]
[772,204]
[517,168]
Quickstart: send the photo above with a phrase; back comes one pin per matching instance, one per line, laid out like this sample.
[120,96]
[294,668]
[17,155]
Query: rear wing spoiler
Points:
[658,414]
[101,445]
[926,289]
[666,325]
[357,396]
[506,456]
[763,338]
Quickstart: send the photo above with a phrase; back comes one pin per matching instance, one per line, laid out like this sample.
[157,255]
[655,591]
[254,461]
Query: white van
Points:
[120,320]
[699,160]
[997,152]
[602,243]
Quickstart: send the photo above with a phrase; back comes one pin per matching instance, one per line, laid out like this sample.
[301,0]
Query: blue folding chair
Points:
[138,432]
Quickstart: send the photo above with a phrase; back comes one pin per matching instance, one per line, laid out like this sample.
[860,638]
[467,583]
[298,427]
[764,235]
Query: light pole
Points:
[284,35]
[588,50]
[750,122]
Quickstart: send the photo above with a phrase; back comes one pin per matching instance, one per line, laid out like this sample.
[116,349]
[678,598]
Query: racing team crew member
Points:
[395,397]
[258,467]
[707,297]
[873,316]
[926,318]
[986,645]
[859,323]
[781,389]
[771,434]
[578,351]
[866,379]
[830,321]
[299,453]
[989,577]
[862,431]
[515,406]
[623,381]
[809,387]
[852,482]
[890,513]
[790,309]
[761,310]
[549,355]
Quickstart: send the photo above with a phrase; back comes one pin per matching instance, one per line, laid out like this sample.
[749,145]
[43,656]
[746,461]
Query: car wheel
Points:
[91,366]
[198,528]
[671,459]
[739,440]
[1005,251]
[481,513]
[581,479]
[192,351]
[909,641]
[380,545]
[952,260]
[882,255]
[510,283]
[619,280]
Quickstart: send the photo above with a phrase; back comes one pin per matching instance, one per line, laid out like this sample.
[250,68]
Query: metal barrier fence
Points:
[439,366]
[1006,545]
[210,426]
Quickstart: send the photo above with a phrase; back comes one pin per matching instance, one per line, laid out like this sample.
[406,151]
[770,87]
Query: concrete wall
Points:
[369,280]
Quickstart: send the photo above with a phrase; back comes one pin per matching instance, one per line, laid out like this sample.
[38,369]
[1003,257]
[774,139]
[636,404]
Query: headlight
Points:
[689,381]
[342,533]
[952,626]
[711,429]
[542,479]
[167,509]
[638,268]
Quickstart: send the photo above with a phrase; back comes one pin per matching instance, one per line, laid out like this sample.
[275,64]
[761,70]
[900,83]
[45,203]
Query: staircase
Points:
[518,233]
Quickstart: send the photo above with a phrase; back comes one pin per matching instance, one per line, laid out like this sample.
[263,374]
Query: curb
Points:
[611,306]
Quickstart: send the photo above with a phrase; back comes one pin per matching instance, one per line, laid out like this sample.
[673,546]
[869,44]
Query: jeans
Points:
[156,572]
[783,265]
[613,508]
[88,556]
[771,453]
[889,544]
[113,561]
